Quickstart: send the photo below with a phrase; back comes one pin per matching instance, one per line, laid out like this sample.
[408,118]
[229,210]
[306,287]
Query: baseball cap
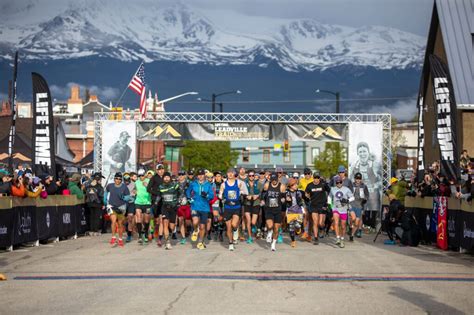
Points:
[160,166]
[337,179]
[316,175]
[209,174]
[97,175]
[279,170]
[291,182]
[393,180]
[141,172]
[262,172]
[181,172]
[166,174]
[307,171]
[201,172]
[231,170]
[274,176]
[190,172]
[118,175]
[217,173]
[341,169]
[150,172]
[358,175]
[296,175]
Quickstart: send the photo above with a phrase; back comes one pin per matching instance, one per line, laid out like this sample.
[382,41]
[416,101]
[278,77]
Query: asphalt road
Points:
[87,276]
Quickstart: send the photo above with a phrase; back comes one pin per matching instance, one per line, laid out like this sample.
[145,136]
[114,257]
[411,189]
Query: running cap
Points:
[141,172]
[341,169]
[274,177]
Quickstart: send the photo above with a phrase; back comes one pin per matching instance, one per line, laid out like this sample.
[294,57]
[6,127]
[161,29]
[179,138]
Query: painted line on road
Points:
[246,277]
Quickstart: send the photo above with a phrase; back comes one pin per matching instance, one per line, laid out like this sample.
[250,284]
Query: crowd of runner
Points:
[234,207]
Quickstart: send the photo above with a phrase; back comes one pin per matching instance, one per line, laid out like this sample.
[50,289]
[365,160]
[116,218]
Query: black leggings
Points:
[95,218]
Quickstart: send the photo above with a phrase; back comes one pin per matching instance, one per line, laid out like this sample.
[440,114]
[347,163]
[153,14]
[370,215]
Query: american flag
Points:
[138,86]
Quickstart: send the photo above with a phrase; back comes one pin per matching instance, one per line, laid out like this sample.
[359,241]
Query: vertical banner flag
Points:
[43,131]
[11,138]
[365,157]
[446,117]
[421,134]
[138,86]
[442,221]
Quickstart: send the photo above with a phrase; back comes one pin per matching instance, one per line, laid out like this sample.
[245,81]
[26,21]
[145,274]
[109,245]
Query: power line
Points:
[309,101]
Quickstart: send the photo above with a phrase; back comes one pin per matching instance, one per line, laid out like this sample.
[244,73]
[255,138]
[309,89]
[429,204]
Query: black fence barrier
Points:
[460,221]
[24,220]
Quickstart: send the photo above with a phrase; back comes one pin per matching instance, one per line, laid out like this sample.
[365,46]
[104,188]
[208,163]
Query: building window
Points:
[286,157]
[314,153]
[245,156]
[266,156]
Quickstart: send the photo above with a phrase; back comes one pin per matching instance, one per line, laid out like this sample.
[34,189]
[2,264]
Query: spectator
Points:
[5,184]
[73,186]
[392,218]
[443,186]
[94,200]
[398,188]
[464,160]
[49,185]
[34,187]
[427,187]
[18,186]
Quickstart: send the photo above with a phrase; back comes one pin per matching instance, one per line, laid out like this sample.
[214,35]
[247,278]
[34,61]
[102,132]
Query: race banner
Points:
[446,117]
[442,223]
[239,131]
[365,157]
[12,100]
[421,136]
[6,226]
[47,222]
[24,224]
[43,145]
[118,148]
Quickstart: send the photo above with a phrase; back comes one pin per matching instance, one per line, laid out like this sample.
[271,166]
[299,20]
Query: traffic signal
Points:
[286,146]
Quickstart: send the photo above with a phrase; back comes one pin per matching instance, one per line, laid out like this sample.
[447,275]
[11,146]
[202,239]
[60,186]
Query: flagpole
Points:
[126,88]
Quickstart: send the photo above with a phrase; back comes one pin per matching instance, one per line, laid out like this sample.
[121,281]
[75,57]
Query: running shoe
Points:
[316,241]
[250,240]
[293,244]
[208,236]
[221,237]
[183,241]
[351,238]
[129,239]
[273,246]
[140,240]
[150,237]
[304,236]
[174,236]
[359,233]
[269,236]
[201,246]
[194,236]
[389,242]
[231,247]
[113,240]
[120,242]
[308,238]
[235,236]
[242,236]
[145,239]
[338,241]
[341,244]
[320,234]
[168,245]
[259,234]
[254,230]
[158,242]
[280,239]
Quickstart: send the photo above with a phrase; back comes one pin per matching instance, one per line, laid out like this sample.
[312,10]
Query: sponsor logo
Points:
[224,131]
[42,137]
[428,222]
[25,224]
[159,130]
[467,232]
[66,218]
[318,132]
[444,118]
[3,230]
[48,219]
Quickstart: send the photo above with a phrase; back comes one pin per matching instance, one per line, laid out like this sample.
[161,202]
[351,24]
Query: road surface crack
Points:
[172,303]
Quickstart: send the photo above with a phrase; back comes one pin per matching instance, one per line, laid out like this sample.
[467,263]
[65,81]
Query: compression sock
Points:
[147,228]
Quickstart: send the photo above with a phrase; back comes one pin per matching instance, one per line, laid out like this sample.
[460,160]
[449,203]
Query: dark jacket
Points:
[154,186]
[6,188]
[51,189]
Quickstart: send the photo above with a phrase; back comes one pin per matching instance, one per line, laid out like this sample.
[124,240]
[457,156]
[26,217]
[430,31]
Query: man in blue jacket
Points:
[199,193]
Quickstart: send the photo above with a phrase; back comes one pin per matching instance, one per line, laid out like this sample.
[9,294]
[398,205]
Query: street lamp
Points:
[214,96]
[178,96]
[221,105]
[336,94]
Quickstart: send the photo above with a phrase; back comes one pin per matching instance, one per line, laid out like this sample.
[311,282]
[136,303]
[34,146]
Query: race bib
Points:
[232,194]
[167,198]
[273,202]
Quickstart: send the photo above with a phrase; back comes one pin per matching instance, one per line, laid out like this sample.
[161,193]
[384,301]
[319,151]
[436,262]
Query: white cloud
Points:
[402,110]
[365,92]
[105,93]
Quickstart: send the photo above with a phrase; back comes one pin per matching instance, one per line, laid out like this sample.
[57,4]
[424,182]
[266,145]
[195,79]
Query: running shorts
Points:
[274,214]
[169,214]
[202,215]
[343,216]
[252,209]
[184,212]
[229,213]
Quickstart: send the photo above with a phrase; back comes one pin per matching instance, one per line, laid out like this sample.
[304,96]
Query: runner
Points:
[262,179]
[217,210]
[361,195]
[317,193]
[169,193]
[199,193]
[308,178]
[142,206]
[341,196]
[210,179]
[129,180]
[252,205]
[273,198]
[283,179]
[294,210]
[153,189]
[116,197]
[341,172]
[184,210]
[243,176]
[230,193]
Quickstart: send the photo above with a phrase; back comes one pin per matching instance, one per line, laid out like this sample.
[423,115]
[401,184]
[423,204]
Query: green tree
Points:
[328,160]
[211,155]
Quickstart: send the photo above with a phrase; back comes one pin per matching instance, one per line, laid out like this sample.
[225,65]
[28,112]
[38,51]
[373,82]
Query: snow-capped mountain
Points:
[158,30]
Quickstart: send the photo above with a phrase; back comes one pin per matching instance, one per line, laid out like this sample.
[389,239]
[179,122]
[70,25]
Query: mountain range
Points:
[173,34]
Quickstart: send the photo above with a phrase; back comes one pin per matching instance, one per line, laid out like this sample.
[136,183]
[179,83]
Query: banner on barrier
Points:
[6,227]
[467,230]
[442,224]
[47,222]
[67,221]
[24,225]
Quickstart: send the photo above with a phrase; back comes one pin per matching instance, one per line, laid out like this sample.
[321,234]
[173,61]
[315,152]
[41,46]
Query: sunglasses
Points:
[117,178]
[337,183]
[251,175]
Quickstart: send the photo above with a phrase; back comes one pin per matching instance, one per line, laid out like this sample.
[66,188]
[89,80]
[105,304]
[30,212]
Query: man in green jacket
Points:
[73,186]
